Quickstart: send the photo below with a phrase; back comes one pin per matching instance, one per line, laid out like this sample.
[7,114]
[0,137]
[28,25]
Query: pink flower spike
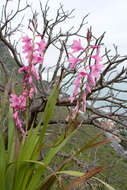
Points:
[92,80]
[19,125]
[74,94]
[23,102]
[15,115]
[34,72]
[25,68]
[73,61]
[41,46]
[97,58]
[77,46]
[26,39]
[39,59]
[88,87]
[84,101]
[99,67]
[77,81]
[72,99]
[75,111]
[94,71]
[34,87]
[30,80]
[31,93]
[83,73]
[15,102]
[27,49]
[18,122]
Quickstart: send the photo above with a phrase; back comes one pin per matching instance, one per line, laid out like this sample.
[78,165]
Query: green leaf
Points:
[10,176]
[4,103]
[109,187]
[2,162]
[86,146]
[84,178]
[29,147]
[57,147]
[47,116]
[71,173]
[80,150]
[25,171]
[11,141]
[27,178]
[49,110]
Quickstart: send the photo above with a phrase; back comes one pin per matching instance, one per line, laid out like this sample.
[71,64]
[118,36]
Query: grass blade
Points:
[109,187]
[47,116]
[2,162]
[85,177]
[11,142]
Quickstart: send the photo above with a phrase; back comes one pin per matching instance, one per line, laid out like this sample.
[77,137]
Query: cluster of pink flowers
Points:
[34,56]
[86,77]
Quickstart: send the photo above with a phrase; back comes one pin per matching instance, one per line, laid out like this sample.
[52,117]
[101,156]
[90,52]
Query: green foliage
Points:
[19,165]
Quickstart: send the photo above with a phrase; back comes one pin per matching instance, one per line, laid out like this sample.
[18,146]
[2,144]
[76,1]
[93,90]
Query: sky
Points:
[108,16]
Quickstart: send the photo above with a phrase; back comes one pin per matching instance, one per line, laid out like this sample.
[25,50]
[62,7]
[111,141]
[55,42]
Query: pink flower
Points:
[18,122]
[96,69]
[75,110]
[82,73]
[75,92]
[34,87]
[27,48]
[73,61]
[30,80]
[23,102]
[41,46]
[24,68]
[19,103]
[77,81]
[15,115]
[19,125]
[15,101]
[77,46]
[37,59]
[88,87]
[34,72]
[97,58]
[84,101]
[31,93]
[26,39]
[92,80]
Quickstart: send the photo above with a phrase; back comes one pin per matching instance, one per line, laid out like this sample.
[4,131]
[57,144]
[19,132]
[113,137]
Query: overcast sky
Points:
[104,15]
[108,16]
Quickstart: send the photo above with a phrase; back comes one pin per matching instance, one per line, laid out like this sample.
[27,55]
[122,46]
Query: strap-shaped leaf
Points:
[109,187]
[47,116]
[2,162]
[85,177]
